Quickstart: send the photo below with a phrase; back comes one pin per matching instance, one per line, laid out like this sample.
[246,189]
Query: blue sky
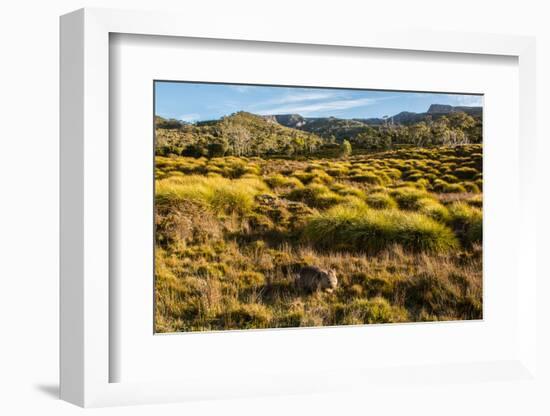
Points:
[195,101]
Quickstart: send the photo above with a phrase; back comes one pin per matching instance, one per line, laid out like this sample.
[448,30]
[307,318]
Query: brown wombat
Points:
[312,278]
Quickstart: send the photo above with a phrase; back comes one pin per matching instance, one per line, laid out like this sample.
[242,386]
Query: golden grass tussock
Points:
[368,230]
[221,194]
[467,221]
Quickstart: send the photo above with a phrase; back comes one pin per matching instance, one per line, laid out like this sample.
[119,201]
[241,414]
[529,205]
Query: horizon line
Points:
[314,117]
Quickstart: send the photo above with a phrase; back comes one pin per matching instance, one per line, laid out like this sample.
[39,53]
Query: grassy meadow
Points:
[401,228]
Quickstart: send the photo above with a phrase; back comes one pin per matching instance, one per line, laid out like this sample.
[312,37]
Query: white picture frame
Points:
[85,217]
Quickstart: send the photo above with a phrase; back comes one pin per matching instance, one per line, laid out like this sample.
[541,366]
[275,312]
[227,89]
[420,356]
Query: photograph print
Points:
[283,207]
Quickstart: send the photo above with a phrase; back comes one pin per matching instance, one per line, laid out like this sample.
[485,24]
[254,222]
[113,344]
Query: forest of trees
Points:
[240,134]
[449,130]
[245,134]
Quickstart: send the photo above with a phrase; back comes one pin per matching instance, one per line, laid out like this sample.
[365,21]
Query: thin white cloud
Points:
[303,96]
[305,101]
[334,105]
[190,117]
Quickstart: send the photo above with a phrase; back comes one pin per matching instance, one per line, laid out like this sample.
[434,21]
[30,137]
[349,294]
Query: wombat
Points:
[312,278]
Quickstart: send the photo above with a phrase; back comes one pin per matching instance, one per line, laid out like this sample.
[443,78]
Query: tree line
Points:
[448,130]
[245,134]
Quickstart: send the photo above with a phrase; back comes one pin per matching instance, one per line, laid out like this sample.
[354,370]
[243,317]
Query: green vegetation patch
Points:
[467,220]
[315,195]
[380,200]
[359,229]
[220,194]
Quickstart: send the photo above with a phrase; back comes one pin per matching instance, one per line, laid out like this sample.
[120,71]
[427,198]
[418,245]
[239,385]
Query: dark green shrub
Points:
[194,150]
[217,149]
[465,173]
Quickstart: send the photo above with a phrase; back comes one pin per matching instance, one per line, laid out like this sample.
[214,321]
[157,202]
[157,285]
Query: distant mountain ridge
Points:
[298,121]
[288,120]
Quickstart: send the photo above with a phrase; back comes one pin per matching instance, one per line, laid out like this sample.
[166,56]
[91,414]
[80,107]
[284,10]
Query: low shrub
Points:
[413,175]
[211,270]
[465,173]
[355,291]
[430,294]
[315,195]
[347,190]
[434,209]
[232,199]
[320,176]
[253,315]
[380,200]
[367,177]
[392,173]
[422,183]
[447,188]
[430,177]
[290,319]
[316,175]
[250,279]
[280,181]
[375,311]
[467,222]
[408,197]
[363,229]
[449,178]
[447,167]
[377,286]
[470,187]
[479,183]
[337,172]
[220,194]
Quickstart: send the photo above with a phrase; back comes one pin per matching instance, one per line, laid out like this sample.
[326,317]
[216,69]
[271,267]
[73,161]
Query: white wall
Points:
[29,170]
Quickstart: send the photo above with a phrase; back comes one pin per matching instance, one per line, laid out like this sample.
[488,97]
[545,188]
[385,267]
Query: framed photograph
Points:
[282,213]
[283,207]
